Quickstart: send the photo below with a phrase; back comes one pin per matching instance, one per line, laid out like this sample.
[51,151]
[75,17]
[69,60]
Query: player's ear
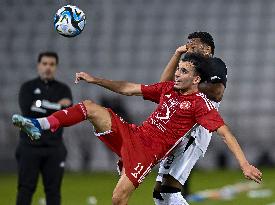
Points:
[197,79]
[208,50]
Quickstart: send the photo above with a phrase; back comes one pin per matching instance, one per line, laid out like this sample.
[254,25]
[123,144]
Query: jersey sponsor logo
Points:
[185,105]
[169,109]
[37,91]
[158,124]
[168,95]
[165,113]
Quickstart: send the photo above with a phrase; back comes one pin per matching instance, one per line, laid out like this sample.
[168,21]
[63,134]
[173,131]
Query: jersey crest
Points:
[185,105]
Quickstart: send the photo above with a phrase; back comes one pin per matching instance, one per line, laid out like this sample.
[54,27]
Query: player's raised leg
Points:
[96,114]
[99,116]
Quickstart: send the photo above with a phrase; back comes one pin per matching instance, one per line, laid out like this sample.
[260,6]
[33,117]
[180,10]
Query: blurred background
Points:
[133,40]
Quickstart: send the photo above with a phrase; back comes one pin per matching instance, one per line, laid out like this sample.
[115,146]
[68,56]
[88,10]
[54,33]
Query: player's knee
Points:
[117,199]
[120,197]
[26,190]
[52,192]
[170,181]
[90,107]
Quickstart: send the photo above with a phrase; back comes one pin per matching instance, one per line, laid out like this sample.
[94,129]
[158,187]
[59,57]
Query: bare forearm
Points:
[249,171]
[169,71]
[234,146]
[121,87]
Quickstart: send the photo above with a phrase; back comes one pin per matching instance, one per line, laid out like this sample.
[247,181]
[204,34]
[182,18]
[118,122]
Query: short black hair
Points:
[198,60]
[48,54]
[205,37]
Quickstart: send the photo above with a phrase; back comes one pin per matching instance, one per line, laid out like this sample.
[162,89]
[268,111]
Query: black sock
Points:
[169,189]
[157,195]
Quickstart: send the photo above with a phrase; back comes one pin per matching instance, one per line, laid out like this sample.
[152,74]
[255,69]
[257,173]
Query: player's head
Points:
[217,63]
[187,75]
[201,42]
[46,65]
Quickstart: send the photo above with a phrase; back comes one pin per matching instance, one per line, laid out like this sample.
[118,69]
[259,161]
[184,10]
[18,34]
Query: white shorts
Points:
[179,163]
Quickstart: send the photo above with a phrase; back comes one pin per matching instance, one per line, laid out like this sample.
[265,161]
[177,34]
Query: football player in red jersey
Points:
[180,107]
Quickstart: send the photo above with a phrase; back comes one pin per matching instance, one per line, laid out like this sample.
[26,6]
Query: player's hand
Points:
[181,50]
[84,76]
[252,173]
[65,102]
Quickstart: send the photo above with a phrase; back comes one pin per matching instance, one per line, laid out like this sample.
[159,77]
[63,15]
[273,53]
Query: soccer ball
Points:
[69,21]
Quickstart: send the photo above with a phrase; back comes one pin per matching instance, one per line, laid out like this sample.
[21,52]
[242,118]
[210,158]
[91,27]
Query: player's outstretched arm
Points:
[249,171]
[170,69]
[121,87]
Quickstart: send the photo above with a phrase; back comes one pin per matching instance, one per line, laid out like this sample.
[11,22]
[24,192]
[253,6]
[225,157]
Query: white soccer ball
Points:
[69,21]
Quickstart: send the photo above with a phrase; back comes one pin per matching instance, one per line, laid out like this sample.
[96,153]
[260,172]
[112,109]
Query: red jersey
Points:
[176,114]
[141,147]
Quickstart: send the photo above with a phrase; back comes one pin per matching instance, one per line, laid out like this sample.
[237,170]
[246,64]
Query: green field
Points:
[78,187]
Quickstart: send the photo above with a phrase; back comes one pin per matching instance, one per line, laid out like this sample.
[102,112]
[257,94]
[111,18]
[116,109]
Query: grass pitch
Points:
[84,188]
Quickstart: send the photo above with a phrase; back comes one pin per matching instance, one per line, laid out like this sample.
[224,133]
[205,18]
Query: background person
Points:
[41,97]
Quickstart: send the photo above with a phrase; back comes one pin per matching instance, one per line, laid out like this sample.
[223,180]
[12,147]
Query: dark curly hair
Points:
[198,60]
[205,37]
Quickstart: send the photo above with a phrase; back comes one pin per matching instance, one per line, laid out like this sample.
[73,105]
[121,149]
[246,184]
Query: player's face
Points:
[47,67]
[195,45]
[185,76]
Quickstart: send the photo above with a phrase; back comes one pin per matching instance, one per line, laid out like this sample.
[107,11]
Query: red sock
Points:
[67,117]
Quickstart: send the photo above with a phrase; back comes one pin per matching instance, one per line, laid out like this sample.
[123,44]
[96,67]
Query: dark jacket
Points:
[38,99]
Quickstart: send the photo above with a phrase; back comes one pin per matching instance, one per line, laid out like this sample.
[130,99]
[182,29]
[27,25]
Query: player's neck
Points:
[189,91]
